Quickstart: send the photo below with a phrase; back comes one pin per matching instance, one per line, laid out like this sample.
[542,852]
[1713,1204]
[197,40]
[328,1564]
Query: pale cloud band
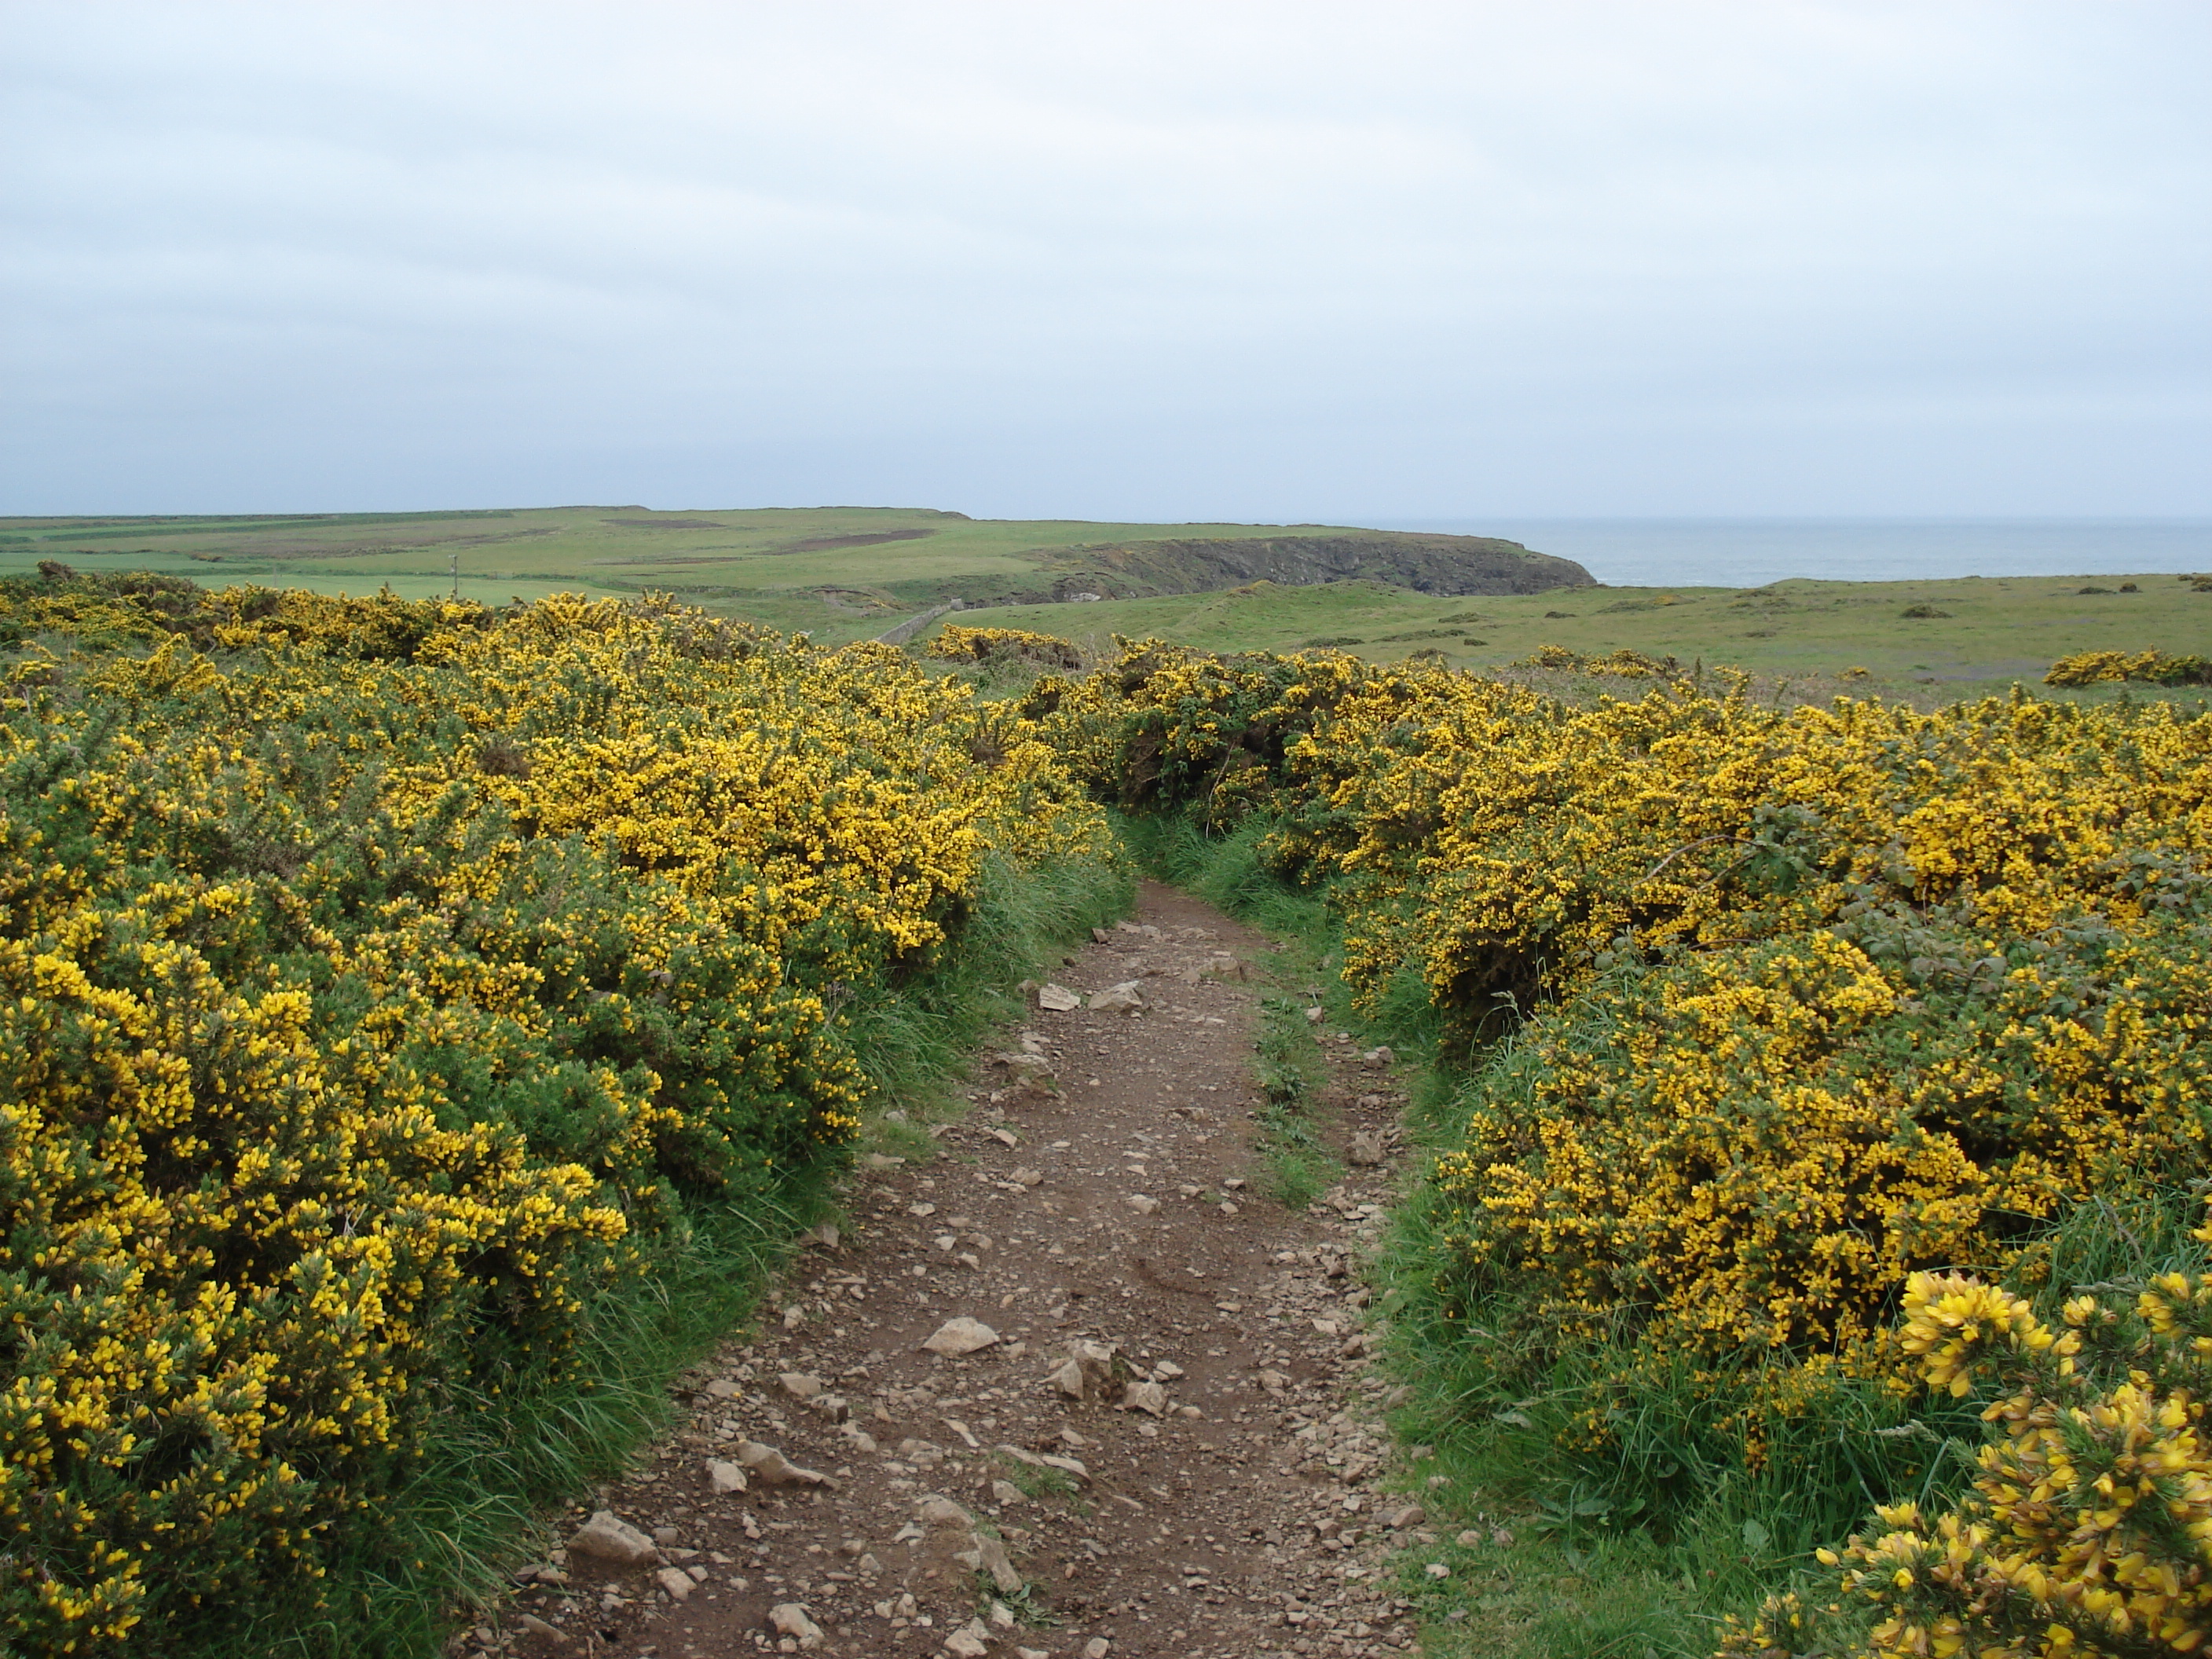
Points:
[1254,261]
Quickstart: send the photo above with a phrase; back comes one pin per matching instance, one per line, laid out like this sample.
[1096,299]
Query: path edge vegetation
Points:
[1537,1565]
[496,1473]
[605,916]
[1546,1550]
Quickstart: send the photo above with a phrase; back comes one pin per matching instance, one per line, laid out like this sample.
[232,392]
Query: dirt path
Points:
[1213,1491]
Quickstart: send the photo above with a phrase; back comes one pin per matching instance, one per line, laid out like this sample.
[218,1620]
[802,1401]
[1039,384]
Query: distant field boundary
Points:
[914,625]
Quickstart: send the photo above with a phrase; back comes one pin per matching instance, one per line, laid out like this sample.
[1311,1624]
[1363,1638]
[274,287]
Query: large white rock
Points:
[963,1335]
[1059,998]
[935,1511]
[1128,994]
[992,1558]
[1087,1370]
[723,1475]
[789,1618]
[768,1464]
[609,1537]
[1145,1397]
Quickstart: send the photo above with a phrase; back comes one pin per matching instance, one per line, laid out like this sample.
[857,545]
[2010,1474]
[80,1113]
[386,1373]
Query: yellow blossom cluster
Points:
[139,607]
[1622,664]
[2085,1532]
[2151,667]
[375,984]
[957,643]
[1804,1000]
[1168,726]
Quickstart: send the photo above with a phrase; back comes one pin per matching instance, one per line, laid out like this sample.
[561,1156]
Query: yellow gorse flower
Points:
[2088,1528]
[1807,999]
[374,991]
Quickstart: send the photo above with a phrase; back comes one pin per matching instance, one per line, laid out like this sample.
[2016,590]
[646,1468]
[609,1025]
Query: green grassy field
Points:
[1810,634]
[844,574]
[841,573]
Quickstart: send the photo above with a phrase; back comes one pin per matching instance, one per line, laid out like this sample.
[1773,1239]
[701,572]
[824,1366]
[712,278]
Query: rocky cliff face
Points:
[1449,565]
[1427,564]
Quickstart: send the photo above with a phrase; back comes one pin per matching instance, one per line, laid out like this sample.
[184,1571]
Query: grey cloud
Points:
[1281,261]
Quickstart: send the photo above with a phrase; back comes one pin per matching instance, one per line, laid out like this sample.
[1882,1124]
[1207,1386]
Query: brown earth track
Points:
[1245,1522]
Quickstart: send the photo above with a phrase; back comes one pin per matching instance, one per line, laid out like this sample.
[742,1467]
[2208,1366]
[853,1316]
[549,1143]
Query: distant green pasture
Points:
[1996,629]
[754,563]
[757,563]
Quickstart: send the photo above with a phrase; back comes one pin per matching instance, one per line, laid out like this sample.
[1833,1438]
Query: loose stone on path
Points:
[1034,1371]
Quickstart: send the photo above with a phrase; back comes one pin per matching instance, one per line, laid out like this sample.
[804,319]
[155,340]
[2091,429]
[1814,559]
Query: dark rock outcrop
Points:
[1448,565]
[1427,564]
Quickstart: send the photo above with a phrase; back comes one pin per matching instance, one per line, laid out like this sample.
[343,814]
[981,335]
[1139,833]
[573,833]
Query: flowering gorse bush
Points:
[2151,667]
[374,992]
[2087,1530]
[139,607]
[1167,727]
[1622,664]
[961,644]
[1807,1000]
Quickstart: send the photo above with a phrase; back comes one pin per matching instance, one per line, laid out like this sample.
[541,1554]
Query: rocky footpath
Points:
[1069,1386]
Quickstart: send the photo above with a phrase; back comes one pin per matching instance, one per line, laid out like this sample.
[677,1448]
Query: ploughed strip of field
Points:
[1071,1386]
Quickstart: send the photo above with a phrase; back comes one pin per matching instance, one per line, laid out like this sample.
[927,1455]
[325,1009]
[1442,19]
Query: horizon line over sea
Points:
[1751,552]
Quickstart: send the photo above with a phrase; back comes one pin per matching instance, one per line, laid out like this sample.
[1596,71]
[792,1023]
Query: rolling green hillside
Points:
[838,572]
[844,574]
[1988,630]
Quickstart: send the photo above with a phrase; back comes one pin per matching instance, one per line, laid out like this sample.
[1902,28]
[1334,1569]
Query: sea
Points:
[1752,552]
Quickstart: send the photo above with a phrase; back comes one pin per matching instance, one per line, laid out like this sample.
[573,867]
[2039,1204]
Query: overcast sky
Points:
[1275,261]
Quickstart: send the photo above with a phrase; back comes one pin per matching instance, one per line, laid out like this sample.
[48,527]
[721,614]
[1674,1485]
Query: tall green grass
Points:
[1226,870]
[1299,1165]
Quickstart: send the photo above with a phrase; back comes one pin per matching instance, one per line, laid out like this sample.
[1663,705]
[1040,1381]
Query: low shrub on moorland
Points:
[1799,1004]
[392,1010]
[118,609]
[2148,667]
[960,644]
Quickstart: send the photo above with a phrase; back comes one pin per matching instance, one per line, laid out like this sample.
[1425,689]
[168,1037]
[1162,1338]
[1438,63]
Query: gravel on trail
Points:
[1072,1387]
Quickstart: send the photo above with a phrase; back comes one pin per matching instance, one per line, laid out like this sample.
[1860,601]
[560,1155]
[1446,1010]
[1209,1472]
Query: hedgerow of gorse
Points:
[1919,978]
[2150,667]
[375,989]
[1802,1004]
[956,643]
